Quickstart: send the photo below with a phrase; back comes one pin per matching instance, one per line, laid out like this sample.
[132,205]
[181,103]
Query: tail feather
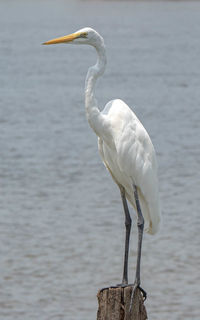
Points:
[153,219]
[150,212]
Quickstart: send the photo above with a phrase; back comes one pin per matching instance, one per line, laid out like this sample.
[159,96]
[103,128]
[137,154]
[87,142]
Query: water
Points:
[62,232]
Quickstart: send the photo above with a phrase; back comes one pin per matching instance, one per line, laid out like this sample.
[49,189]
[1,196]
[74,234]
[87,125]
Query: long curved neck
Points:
[92,112]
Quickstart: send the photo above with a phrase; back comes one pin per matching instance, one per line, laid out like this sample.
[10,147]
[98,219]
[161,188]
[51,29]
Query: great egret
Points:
[125,148]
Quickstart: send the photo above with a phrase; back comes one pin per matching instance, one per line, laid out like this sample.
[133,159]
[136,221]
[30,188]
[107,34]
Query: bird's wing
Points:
[136,154]
[133,156]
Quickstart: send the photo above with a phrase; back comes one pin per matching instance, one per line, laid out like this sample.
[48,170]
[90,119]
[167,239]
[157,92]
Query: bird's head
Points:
[82,36]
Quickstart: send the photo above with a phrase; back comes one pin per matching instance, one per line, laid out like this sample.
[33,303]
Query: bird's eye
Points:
[83,35]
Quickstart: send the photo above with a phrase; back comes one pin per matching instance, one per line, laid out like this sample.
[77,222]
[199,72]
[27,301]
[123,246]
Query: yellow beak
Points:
[65,39]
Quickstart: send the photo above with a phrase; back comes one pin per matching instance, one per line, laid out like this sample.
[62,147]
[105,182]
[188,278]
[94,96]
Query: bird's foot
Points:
[120,285]
[144,294]
[135,287]
[123,285]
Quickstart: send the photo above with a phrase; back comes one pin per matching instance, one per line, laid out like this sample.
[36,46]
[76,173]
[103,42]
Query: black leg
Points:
[128,223]
[140,224]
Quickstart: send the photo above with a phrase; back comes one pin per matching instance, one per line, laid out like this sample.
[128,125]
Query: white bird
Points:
[125,148]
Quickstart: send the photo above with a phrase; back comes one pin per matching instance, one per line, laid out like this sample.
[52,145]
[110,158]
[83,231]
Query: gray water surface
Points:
[61,222]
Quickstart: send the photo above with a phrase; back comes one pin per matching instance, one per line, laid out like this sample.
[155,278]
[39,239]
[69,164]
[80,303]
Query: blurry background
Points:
[61,222]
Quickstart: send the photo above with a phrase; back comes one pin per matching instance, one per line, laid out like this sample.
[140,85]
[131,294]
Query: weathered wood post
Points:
[114,304]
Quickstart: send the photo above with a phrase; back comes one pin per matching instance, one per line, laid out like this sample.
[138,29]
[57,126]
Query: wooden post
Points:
[114,304]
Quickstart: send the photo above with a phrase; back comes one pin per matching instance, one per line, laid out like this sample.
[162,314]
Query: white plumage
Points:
[131,160]
[125,148]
